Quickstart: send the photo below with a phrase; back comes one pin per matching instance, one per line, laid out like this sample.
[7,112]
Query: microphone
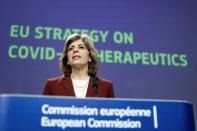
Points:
[95,85]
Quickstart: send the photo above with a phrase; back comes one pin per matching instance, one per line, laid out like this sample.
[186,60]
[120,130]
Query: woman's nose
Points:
[75,50]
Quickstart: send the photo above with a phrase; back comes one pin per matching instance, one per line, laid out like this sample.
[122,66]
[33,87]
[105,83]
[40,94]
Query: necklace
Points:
[80,87]
[80,83]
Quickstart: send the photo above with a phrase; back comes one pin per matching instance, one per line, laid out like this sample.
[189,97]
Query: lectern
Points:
[53,113]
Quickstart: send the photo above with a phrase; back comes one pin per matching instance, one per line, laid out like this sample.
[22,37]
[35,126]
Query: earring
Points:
[89,60]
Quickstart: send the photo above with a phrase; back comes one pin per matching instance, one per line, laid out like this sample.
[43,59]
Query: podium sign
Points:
[49,113]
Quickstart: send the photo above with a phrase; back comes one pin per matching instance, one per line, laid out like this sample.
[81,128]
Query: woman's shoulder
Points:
[103,80]
[56,79]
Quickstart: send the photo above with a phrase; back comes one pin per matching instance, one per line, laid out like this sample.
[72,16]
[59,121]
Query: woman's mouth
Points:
[76,57]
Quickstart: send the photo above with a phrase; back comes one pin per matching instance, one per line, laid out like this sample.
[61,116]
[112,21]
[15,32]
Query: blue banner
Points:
[33,113]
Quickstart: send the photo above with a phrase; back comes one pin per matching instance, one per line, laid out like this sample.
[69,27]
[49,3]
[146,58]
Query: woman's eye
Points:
[81,47]
[69,49]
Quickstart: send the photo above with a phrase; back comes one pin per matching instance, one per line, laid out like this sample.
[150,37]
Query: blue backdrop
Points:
[147,48]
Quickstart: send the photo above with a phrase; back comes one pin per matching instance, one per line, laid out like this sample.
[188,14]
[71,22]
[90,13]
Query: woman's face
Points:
[78,55]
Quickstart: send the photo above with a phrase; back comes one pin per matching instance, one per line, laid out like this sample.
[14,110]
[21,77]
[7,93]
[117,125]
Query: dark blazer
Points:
[62,86]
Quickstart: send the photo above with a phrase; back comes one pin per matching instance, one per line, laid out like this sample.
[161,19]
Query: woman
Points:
[79,64]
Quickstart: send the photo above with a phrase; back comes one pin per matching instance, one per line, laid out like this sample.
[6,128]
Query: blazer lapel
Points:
[67,83]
